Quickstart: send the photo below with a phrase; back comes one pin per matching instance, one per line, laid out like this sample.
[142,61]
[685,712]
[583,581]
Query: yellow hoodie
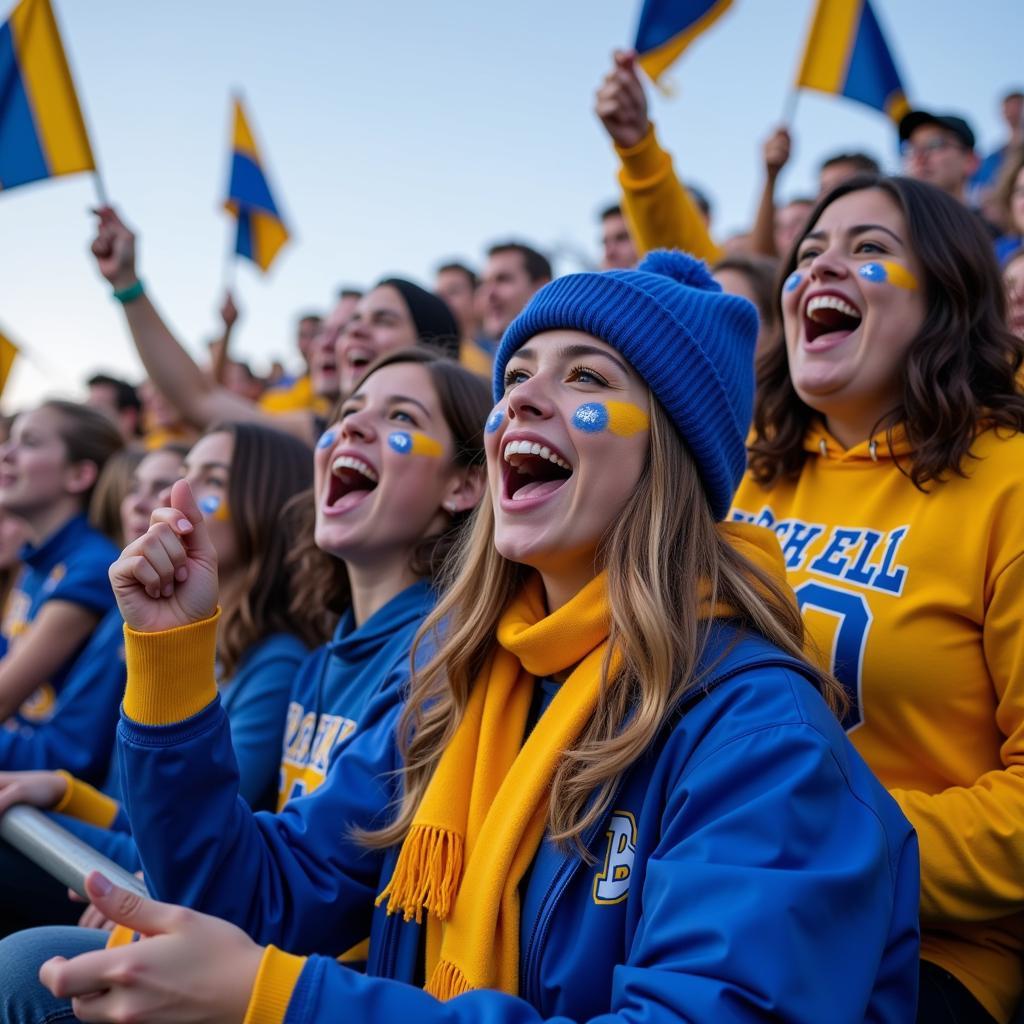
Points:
[919,600]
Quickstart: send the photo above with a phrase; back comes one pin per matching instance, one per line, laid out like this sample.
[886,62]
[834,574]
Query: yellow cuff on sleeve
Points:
[82,801]
[171,673]
[275,981]
[643,164]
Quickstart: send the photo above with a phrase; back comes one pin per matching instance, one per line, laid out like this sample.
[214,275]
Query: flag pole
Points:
[789,111]
[230,262]
[101,189]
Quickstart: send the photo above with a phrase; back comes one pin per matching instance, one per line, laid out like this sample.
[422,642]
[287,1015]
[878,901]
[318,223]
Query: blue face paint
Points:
[400,441]
[494,421]
[590,418]
[327,438]
[209,505]
[793,282]
[872,272]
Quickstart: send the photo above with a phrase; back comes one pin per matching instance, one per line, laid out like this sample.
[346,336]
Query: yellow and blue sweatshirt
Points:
[71,565]
[917,599]
[77,733]
[660,211]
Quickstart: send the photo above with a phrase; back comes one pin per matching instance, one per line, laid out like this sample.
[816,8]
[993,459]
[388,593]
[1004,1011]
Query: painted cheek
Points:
[327,438]
[495,420]
[620,418]
[793,282]
[214,508]
[887,272]
[406,443]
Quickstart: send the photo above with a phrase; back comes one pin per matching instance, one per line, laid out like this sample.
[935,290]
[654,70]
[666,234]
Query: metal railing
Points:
[60,853]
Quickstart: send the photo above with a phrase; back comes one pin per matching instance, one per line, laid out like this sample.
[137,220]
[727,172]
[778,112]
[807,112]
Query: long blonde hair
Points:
[666,561]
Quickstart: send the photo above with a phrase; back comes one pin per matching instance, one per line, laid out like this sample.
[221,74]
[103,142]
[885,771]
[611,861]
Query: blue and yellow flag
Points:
[847,54]
[42,132]
[667,27]
[261,230]
[8,350]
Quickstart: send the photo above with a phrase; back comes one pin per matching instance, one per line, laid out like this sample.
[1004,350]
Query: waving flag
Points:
[42,132]
[261,230]
[8,351]
[846,54]
[667,27]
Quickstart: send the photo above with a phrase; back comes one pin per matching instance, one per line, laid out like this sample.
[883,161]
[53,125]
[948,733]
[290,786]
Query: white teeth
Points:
[349,462]
[532,448]
[831,302]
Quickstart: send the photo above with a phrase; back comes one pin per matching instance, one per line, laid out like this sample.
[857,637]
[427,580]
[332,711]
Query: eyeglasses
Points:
[909,150]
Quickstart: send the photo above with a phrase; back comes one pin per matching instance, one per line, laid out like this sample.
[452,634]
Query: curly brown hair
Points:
[960,373]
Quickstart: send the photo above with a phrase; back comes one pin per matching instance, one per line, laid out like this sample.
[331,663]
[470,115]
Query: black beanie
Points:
[435,325]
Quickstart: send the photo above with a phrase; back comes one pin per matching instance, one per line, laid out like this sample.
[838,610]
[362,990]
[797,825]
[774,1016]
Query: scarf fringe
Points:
[447,981]
[426,875]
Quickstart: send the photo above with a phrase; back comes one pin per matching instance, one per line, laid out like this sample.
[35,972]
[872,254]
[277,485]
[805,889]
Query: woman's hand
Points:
[191,968]
[114,249]
[38,789]
[168,577]
[621,102]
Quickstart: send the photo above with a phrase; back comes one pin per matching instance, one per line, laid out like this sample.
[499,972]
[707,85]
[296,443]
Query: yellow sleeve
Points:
[82,801]
[275,981]
[971,838]
[660,211]
[170,674]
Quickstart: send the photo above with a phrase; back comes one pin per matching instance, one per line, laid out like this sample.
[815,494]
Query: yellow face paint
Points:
[406,443]
[887,272]
[622,418]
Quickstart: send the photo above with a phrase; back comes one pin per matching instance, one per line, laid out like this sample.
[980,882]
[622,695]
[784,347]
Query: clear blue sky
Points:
[400,133]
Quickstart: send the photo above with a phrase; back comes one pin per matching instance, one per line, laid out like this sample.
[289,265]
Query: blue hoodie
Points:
[77,734]
[71,565]
[336,683]
[750,868]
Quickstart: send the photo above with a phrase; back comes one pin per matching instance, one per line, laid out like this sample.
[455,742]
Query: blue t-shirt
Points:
[71,565]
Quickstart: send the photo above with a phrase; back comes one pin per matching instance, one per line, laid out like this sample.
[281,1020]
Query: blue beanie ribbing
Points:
[691,343]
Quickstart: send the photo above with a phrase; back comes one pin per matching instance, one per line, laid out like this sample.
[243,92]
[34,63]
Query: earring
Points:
[450,507]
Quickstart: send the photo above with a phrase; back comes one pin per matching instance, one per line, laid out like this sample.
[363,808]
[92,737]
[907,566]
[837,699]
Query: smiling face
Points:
[566,447]
[150,480]
[208,471]
[851,310]
[385,470]
[380,324]
[34,468]
[323,361]
[1013,279]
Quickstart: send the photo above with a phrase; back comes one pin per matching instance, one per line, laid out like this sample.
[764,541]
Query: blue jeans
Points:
[23,1000]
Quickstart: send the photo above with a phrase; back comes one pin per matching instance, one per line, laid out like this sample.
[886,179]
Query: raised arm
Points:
[776,156]
[661,212]
[175,373]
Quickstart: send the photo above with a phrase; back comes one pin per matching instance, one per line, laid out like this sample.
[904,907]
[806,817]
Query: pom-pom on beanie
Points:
[435,324]
[691,343]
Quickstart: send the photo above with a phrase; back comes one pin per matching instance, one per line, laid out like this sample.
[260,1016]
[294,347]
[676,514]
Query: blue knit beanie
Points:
[691,342]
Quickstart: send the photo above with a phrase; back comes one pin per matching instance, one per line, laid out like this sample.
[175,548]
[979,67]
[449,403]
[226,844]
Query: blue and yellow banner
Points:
[8,352]
[42,132]
[261,230]
[667,27]
[846,54]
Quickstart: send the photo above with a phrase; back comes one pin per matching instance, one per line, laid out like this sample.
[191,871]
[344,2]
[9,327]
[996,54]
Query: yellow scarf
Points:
[484,811]
[485,808]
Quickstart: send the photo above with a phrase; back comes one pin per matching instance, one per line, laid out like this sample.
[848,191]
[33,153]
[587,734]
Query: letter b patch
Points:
[611,885]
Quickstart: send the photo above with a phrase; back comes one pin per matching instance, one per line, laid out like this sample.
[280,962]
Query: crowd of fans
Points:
[524,655]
